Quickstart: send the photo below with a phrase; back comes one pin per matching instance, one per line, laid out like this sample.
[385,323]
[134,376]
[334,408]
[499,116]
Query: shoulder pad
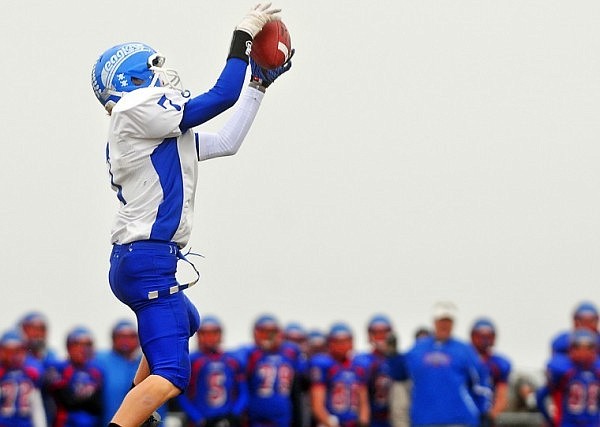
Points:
[152,112]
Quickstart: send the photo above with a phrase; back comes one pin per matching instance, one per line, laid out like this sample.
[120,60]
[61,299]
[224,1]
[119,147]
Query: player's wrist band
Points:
[241,42]
[257,85]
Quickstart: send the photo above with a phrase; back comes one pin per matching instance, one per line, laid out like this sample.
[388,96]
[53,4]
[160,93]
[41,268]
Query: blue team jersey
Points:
[16,389]
[379,381]
[499,369]
[77,391]
[449,383]
[217,387]
[342,382]
[575,392]
[271,377]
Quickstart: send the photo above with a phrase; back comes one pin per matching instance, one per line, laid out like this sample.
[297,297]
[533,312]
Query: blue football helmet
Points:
[79,334]
[127,67]
[210,322]
[339,330]
[379,321]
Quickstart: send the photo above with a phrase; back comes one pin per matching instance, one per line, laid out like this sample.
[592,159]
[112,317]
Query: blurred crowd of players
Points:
[289,376]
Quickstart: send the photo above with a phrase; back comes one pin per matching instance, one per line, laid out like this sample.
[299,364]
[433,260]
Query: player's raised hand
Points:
[257,17]
[265,77]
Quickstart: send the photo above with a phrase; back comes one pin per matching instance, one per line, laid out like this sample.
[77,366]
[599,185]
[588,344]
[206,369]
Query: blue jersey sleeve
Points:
[560,344]
[190,410]
[242,399]
[318,368]
[500,369]
[556,368]
[222,96]
[398,370]
[541,395]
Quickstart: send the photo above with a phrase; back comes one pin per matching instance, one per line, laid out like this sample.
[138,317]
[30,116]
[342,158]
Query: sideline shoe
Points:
[152,421]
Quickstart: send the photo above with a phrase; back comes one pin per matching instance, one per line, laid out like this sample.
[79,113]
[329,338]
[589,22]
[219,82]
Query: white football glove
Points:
[258,16]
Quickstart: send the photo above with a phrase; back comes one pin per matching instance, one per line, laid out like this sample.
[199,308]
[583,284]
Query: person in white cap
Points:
[449,384]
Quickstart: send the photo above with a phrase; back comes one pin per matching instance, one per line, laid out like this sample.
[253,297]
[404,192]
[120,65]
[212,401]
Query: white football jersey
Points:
[153,167]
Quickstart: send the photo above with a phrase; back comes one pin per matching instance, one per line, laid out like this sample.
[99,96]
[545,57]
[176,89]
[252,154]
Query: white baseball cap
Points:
[444,310]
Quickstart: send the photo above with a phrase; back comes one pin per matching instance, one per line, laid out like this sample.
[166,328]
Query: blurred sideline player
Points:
[20,397]
[573,384]
[316,342]
[483,338]
[378,369]
[34,327]
[338,390]
[119,365]
[152,155]
[585,315]
[77,384]
[217,395]
[271,371]
[295,334]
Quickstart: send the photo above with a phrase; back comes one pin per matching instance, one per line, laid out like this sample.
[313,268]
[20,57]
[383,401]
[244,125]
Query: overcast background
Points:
[417,151]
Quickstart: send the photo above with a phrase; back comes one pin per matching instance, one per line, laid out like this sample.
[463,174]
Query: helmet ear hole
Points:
[137,81]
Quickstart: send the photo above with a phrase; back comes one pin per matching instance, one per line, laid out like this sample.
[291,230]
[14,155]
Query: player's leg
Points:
[143,371]
[164,325]
[164,370]
[143,400]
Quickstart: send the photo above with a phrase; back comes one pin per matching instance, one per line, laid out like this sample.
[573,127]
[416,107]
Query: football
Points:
[272,46]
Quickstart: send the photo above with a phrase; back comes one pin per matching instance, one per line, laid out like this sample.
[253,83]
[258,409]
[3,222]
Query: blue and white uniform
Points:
[152,155]
[154,166]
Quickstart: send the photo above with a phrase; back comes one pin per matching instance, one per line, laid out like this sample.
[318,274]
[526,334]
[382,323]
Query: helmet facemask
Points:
[167,77]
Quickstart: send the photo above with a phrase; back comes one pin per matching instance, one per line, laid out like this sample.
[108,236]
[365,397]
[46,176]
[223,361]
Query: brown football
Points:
[272,46]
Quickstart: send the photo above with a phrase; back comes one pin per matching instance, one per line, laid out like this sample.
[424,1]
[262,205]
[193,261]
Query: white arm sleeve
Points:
[228,140]
[38,414]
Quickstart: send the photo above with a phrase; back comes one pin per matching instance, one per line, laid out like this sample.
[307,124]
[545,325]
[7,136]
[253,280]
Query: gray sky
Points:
[417,151]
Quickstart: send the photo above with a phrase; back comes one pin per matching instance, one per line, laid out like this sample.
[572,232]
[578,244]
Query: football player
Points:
[294,333]
[20,397]
[483,338]
[152,156]
[317,342]
[584,316]
[338,384]
[272,368]
[77,384]
[378,369]
[573,383]
[34,329]
[217,394]
[119,365]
